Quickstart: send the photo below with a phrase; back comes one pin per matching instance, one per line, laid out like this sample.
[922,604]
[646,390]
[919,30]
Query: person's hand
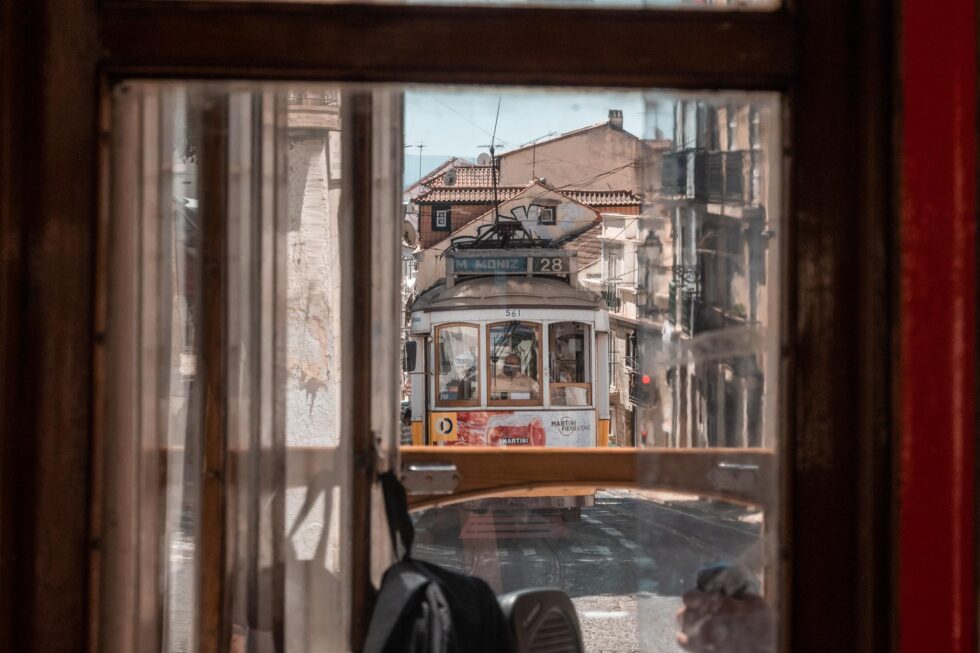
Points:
[721,624]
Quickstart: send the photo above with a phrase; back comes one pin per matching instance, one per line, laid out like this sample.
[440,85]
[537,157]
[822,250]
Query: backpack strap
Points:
[396,509]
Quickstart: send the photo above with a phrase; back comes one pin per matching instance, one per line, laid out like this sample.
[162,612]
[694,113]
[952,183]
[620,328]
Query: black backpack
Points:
[422,608]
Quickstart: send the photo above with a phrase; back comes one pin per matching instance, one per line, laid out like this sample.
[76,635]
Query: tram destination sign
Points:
[491,265]
[548,262]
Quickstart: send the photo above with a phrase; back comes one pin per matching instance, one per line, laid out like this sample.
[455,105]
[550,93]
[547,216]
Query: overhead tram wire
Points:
[493,135]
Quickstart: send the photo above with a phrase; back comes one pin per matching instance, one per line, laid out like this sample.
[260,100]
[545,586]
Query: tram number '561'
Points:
[512,312]
[553,264]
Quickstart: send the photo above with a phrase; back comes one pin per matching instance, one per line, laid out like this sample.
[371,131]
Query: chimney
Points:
[616,118]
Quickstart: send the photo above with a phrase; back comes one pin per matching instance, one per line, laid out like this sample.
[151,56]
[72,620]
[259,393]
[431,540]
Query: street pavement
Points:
[625,563]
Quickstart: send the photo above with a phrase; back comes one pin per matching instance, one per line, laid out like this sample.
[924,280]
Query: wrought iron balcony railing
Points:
[690,311]
[610,294]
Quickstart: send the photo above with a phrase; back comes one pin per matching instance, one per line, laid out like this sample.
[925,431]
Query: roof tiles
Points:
[460,195]
[484,195]
[466,176]
[586,245]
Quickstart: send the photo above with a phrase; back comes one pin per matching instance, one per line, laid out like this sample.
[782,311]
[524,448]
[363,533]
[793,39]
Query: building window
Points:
[614,262]
[441,218]
[546,214]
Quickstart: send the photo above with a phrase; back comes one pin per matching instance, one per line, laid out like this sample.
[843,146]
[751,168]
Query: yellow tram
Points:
[509,351]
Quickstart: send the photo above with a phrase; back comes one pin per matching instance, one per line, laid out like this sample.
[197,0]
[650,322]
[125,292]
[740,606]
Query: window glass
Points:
[543,214]
[569,364]
[514,360]
[625,557]
[684,365]
[458,356]
[246,182]
[683,282]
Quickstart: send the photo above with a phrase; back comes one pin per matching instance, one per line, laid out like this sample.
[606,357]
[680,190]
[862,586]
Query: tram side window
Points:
[457,375]
[569,364]
[515,363]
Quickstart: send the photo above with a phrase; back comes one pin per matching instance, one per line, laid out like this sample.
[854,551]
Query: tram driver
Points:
[513,381]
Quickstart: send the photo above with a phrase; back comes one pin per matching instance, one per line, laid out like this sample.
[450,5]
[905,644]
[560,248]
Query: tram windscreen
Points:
[458,353]
[569,364]
[514,363]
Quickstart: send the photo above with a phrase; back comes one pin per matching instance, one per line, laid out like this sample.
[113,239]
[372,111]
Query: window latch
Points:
[734,476]
[429,478]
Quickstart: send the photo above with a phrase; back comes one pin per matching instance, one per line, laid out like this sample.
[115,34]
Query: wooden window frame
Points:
[469,403]
[831,59]
[519,403]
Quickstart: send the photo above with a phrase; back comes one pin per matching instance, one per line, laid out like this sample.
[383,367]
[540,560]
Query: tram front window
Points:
[514,364]
[458,353]
[569,364]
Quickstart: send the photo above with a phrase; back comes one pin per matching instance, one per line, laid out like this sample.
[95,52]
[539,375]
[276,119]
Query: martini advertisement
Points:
[525,428]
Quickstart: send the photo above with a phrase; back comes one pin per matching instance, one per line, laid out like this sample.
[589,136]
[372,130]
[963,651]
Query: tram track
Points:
[687,534]
[620,546]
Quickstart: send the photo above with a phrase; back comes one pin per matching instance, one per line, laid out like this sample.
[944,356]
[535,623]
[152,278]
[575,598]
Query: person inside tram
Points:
[513,381]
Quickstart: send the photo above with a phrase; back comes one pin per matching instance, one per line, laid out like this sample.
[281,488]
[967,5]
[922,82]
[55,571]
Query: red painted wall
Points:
[938,332]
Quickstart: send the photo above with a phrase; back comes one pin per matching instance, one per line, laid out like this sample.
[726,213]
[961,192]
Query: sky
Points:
[448,122]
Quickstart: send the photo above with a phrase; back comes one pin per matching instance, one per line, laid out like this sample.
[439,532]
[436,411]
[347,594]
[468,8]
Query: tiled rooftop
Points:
[586,245]
[465,176]
[460,195]
[484,195]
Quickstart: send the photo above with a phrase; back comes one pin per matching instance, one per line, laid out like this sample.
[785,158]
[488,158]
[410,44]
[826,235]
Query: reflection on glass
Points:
[624,561]
[317,570]
[706,256]
[514,362]
[458,353]
[245,180]
[652,319]
[183,426]
[669,203]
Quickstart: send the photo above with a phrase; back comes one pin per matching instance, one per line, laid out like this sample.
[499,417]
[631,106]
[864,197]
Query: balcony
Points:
[611,295]
[690,311]
[631,364]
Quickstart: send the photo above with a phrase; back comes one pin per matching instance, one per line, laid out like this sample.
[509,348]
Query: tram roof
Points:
[487,292]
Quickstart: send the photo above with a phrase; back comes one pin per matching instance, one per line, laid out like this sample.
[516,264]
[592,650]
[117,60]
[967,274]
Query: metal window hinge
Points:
[734,476]
[429,478]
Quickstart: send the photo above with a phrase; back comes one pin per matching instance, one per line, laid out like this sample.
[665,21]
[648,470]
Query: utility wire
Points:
[502,141]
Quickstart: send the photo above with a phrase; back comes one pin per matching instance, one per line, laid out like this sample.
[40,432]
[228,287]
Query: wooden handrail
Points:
[745,476]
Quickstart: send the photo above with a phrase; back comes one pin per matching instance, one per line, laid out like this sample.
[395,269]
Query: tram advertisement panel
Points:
[512,428]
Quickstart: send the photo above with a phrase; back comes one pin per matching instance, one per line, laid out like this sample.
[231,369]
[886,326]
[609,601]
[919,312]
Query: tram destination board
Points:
[539,263]
[491,265]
